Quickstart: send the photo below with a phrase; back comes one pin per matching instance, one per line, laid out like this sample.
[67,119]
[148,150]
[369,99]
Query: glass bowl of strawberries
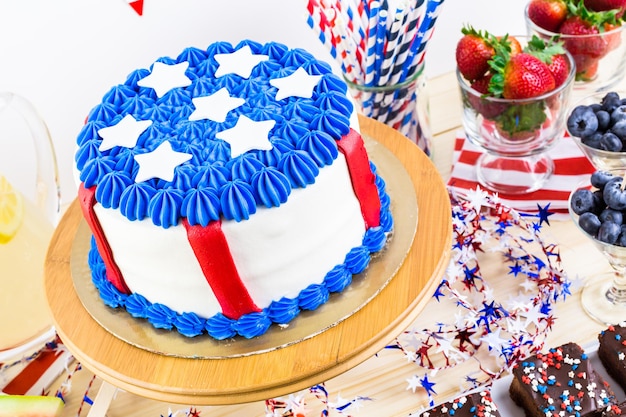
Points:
[592,31]
[515,93]
[597,123]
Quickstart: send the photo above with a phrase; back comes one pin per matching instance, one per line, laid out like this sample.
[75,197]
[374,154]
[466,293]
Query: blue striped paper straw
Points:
[433,8]
[413,20]
[392,41]
[370,52]
[381,35]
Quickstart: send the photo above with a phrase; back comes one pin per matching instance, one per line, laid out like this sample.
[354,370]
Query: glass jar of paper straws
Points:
[381,46]
[403,106]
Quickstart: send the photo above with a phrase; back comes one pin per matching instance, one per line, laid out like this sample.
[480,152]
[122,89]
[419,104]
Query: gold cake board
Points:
[246,378]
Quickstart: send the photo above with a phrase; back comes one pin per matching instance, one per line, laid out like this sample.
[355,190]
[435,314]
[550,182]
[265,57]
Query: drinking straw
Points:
[426,28]
[345,44]
[381,35]
[349,13]
[370,53]
[370,57]
[414,17]
[317,21]
[392,39]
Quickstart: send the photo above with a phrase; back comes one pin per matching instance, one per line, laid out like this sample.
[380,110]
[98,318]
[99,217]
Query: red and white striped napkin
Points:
[34,374]
[571,167]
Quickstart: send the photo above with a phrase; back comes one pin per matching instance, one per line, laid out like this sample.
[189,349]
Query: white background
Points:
[63,55]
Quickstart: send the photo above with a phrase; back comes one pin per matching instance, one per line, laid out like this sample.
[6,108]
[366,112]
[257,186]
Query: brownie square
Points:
[612,352]
[560,382]
[468,405]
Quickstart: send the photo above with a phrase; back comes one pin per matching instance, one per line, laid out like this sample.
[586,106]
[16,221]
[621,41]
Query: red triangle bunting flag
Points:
[137,5]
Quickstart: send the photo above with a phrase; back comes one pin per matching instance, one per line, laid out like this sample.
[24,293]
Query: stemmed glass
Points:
[500,127]
[604,296]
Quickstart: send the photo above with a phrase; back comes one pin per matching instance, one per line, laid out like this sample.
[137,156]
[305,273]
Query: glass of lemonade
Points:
[29,210]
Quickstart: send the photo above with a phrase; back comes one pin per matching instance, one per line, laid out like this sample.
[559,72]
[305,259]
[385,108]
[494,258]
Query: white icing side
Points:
[278,251]
[158,263]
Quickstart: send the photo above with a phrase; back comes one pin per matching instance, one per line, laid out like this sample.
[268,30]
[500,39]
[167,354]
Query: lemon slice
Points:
[11,211]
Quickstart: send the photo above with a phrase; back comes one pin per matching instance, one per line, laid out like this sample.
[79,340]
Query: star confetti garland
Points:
[487,335]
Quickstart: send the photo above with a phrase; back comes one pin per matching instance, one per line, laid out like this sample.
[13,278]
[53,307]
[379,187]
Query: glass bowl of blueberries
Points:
[597,123]
[598,208]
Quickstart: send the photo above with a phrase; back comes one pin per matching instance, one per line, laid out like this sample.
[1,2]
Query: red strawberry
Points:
[587,70]
[526,76]
[481,102]
[482,84]
[547,14]
[591,24]
[603,5]
[512,42]
[473,52]
[559,67]
[591,46]
[553,54]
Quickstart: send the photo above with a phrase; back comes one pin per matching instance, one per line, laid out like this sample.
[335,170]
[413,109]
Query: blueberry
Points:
[582,121]
[618,114]
[609,232]
[582,201]
[599,178]
[590,223]
[621,240]
[610,215]
[613,195]
[604,119]
[610,101]
[610,142]
[598,202]
[593,140]
[619,129]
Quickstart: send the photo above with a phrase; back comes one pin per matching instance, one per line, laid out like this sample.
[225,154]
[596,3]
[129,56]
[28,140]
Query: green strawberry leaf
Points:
[520,118]
[501,56]
[596,19]
[544,50]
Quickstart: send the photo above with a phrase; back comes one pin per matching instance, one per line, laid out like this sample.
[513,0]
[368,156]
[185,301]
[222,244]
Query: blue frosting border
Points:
[254,324]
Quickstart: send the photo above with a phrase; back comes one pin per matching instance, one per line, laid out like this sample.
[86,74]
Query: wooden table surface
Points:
[383,378]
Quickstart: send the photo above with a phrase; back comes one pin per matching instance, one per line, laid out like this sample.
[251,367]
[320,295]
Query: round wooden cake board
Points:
[240,379]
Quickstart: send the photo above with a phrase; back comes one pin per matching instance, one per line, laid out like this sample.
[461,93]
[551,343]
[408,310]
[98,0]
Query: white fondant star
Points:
[125,133]
[247,135]
[165,77]
[297,84]
[159,163]
[215,107]
[240,62]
